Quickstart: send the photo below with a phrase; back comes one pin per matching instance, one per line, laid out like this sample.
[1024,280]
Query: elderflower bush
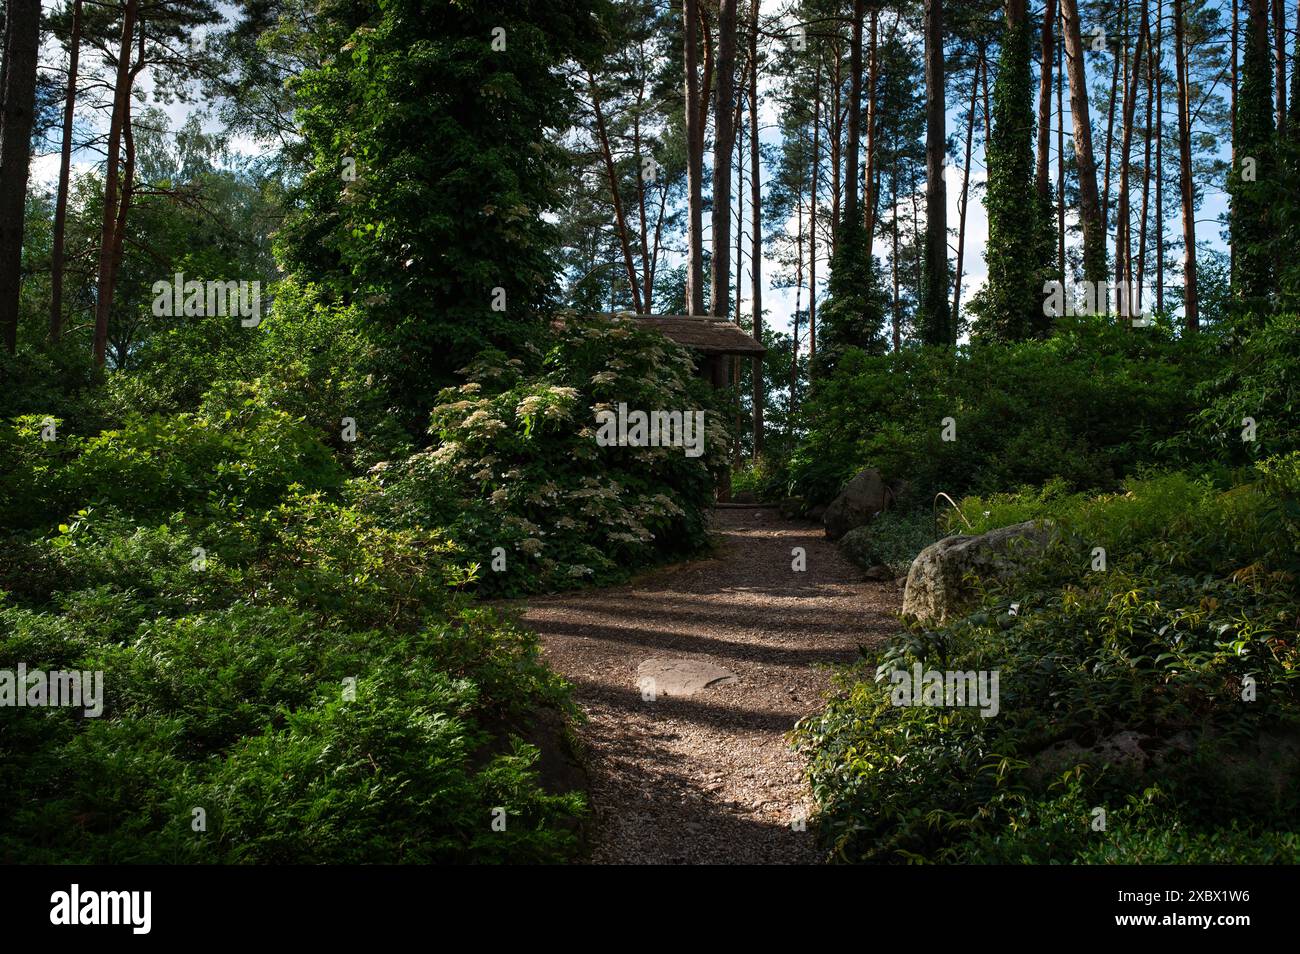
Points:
[517,478]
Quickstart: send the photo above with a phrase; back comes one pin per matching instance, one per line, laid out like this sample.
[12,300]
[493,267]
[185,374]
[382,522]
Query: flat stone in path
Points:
[680,677]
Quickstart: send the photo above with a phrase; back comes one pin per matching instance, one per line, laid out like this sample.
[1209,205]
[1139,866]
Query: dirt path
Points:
[710,777]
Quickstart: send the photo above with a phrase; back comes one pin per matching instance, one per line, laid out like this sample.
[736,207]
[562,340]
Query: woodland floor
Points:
[711,777]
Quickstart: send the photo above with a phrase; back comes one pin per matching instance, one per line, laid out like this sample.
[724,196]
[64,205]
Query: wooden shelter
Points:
[717,342]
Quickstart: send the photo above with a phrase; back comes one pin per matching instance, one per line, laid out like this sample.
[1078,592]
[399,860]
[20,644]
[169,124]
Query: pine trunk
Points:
[1090,213]
[724,137]
[694,160]
[1190,299]
[17,114]
[65,167]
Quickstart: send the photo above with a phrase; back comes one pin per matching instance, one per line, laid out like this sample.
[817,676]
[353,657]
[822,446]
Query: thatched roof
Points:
[704,334]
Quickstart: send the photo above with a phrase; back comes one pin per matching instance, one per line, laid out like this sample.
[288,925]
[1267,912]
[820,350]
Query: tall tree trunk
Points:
[1190,298]
[642,224]
[128,196]
[935,279]
[1293,128]
[65,167]
[1094,227]
[964,199]
[812,218]
[988,114]
[694,160]
[1060,156]
[739,219]
[756,225]
[615,194]
[869,176]
[1046,62]
[897,316]
[835,131]
[1159,67]
[724,140]
[1252,196]
[1116,92]
[108,239]
[1123,215]
[736,371]
[1146,171]
[798,290]
[1145,176]
[1236,34]
[850,208]
[17,114]
[1279,44]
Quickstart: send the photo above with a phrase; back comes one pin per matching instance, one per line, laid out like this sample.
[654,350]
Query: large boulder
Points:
[863,497]
[937,586]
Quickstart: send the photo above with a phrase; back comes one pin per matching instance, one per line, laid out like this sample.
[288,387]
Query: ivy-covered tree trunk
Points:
[851,314]
[1010,306]
[1253,275]
[1279,42]
[434,167]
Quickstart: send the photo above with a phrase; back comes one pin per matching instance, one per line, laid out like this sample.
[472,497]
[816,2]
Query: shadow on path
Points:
[711,777]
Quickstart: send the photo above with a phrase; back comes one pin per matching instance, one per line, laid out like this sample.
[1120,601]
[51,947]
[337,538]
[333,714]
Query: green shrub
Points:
[517,465]
[893,539]
[1013,426]
[227,580]
[1260,385]
[1194,612]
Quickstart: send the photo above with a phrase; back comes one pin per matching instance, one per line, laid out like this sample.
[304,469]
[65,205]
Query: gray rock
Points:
[937,587]
[862,498]
[680,677]
[880,573]
[857,549]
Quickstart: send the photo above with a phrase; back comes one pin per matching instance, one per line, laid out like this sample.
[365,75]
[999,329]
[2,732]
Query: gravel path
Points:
[710,777]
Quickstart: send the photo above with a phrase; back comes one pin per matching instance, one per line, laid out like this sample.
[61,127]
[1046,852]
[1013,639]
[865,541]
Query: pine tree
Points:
[434,163]
[1253,276]
[1009,307]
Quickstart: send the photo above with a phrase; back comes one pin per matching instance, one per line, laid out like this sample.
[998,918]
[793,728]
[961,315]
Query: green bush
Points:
[226,579]
[893,539]
[1260,384]
[1196,608]
[517,465]
[1013,423]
